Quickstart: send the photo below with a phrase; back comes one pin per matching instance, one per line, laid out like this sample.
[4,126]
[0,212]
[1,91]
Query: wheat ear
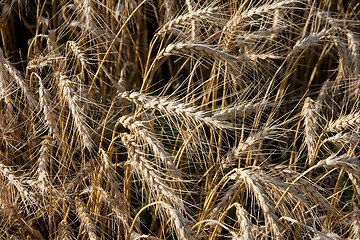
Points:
[354,47]
[345,137]
[6,95]
[351,165]
[355,225]
[183,230]
[350,121]
[42,171]
[139,129]
[116,206]
[310,129]
[79,118]
[172,108]
[245,223]
[15,74]
[205,13]
[230,29]
[27,197]
[85,219]
[64,232]
[79,54]
[247,177]
[139,162]
[48,110]
[230,113]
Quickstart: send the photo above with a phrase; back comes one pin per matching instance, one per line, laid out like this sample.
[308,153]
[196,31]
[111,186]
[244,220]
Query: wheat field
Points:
[211,119]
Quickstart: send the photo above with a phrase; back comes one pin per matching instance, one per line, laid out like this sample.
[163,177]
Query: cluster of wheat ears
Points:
[211,119]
